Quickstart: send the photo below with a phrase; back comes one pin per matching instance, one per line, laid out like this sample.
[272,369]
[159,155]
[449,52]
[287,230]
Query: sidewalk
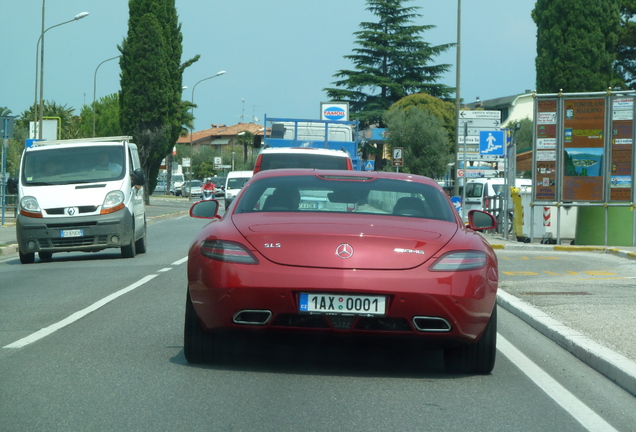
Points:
[588,331]
[609,349]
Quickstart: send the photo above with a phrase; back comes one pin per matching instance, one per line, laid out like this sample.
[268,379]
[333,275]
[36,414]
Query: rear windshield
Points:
[296,160]
[474,190]
[324,194]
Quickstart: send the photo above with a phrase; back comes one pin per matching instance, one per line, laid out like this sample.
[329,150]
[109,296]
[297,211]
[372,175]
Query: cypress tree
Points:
[151,104]
[576,44]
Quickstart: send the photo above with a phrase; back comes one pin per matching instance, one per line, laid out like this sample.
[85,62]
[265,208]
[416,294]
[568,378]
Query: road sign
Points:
[491,143]
[369,165]
[479,123]
[398,156]
[480,114]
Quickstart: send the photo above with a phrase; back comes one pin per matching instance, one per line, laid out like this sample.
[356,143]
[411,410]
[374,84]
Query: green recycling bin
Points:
[590,226]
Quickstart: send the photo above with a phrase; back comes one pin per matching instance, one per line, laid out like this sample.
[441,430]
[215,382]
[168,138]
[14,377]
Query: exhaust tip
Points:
[252,317]
[431,324]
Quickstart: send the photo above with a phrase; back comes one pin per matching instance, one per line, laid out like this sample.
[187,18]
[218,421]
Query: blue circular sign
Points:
[457,202]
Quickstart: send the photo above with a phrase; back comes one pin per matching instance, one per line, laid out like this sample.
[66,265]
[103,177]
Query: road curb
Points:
[611,364]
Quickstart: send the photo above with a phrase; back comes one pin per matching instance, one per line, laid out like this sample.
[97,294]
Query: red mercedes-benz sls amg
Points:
[343,252]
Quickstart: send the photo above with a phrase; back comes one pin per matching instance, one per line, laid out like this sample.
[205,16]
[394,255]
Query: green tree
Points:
[106,120]
[391,61]
[423,137]
[151,109]
[626,50]
[443,110]
[67,121]
[576,45]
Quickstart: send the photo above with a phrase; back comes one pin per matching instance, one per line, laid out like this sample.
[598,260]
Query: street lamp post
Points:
[192,114]
[40,47]
[95,86]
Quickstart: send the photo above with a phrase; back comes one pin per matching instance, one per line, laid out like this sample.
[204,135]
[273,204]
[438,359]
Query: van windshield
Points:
[69,165]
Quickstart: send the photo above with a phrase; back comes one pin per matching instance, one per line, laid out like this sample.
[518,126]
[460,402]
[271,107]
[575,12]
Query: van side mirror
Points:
[138,177]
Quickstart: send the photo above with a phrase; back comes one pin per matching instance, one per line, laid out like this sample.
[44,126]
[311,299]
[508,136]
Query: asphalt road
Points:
[93,342]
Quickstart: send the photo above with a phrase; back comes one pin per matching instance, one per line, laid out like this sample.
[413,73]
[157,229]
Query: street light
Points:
[192,114]
[79,16]
[95,86]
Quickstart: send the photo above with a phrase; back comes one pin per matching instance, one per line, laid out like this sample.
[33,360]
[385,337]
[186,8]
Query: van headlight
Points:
[113,202]
[29,207]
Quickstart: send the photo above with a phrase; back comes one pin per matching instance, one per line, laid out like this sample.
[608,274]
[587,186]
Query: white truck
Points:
[80,195]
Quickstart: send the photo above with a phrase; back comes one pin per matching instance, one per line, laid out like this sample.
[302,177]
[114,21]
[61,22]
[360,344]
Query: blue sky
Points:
[278,54]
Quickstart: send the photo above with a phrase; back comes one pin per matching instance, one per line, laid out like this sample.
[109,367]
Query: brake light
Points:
[458,261]
[225,251]
[257,164]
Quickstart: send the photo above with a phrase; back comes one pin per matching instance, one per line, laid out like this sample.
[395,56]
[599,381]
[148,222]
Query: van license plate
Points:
[72,233]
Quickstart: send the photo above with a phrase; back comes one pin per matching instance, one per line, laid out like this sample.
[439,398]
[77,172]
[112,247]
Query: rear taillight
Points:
[225,251]
[458,261]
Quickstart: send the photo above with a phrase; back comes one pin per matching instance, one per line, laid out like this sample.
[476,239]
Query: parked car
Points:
[192,188]
[384,256]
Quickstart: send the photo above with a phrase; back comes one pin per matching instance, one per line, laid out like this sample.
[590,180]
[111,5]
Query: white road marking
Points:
[77,315]
[577,409]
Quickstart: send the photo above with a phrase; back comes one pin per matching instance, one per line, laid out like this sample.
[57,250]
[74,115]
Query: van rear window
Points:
[474,190]
[295,160]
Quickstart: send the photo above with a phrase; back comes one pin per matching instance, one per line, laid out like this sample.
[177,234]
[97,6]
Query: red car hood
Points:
[344,241]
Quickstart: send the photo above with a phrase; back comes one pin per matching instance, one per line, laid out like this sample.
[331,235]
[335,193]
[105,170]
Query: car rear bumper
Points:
[444,306]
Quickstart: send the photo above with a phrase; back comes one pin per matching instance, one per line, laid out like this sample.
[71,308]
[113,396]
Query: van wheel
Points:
[129,251]
[27,258]
[142,243]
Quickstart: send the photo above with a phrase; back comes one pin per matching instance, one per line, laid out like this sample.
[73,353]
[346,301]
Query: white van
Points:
[80,195]
[479,190]
[234,183]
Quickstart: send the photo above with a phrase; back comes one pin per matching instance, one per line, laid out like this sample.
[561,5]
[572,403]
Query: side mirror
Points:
[12,185]
[480,220]
[138,177]
[208,209]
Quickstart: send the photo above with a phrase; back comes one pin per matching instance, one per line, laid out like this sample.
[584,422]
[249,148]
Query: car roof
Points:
[303,150]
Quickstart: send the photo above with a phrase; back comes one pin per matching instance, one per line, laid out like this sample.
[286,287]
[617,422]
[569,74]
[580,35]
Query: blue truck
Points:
[319,134]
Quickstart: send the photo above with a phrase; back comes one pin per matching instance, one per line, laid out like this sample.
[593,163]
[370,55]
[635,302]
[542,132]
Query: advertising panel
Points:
[583,149]
[621,148]
[545,150]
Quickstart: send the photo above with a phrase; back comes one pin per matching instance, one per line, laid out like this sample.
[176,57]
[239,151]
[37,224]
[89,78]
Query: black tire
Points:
[45,256]
[198,346]
[27,258]
[142,244]
[476,358]
[129,250]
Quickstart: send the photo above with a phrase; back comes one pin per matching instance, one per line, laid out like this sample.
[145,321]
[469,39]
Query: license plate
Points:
[342,304]
[72,233]
[311,205]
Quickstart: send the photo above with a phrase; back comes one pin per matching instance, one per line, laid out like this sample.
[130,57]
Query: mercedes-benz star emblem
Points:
[344,251]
